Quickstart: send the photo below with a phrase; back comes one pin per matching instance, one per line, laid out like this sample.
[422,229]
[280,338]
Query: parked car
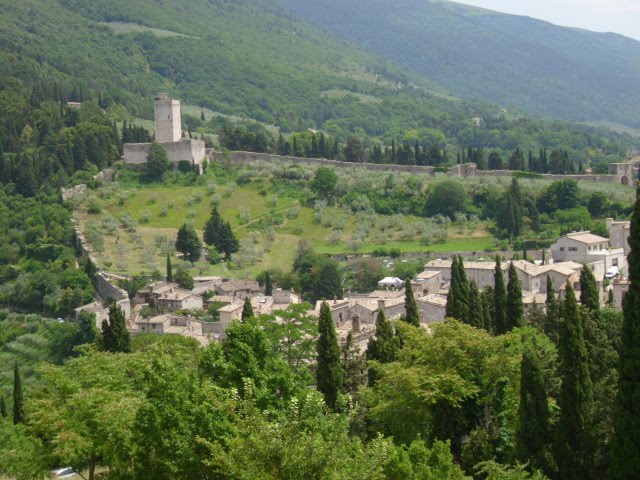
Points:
[612,273]
[66,472]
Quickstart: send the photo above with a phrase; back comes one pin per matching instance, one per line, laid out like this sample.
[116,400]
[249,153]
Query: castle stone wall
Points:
[624,173]
[247,158]
[185,149]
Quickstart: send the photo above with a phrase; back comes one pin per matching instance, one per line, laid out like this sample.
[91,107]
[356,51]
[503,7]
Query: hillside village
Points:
[179,311]
[377,239]
[175,310]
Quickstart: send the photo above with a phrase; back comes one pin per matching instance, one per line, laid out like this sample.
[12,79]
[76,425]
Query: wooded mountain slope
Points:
[512,60]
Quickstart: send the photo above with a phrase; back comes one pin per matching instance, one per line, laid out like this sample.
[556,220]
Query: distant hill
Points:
[253,59]
[511,60]
[246,58]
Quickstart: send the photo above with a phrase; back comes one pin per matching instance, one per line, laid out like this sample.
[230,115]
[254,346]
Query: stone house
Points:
[482,273]
[238,288]
[432,308]
[169,324]
[619,234]
[427,282]
[179,299]
[586,248]
[620,288]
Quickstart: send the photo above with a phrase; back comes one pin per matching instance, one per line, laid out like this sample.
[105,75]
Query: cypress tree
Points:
[475,314]
[329,374]
[500,300]
[3,407]
[228,243]
[552,316]
[169,269]
[247,310]
[533,437]
[515,307]
[451,296]
[353,365]
[384,347]
[589,296]
[212,229]
[115,336]
[625,449]
[412,317]
[268,284]
[486,311]
[458,297]
[18,407]
[576,396]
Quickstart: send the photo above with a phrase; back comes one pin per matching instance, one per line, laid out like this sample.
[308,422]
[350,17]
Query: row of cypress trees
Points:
[499,309]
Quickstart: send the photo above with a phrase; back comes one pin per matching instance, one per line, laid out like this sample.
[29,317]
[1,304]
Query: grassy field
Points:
[135,227]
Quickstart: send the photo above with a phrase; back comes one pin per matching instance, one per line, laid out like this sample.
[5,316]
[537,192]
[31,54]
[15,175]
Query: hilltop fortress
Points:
[168,133]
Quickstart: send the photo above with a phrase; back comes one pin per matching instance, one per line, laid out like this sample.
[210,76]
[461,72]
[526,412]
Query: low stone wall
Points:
[71,192]
[247,158]
[186,149]
[463,170]
[106,290]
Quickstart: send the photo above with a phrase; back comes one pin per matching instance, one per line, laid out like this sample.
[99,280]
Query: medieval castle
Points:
[168,133]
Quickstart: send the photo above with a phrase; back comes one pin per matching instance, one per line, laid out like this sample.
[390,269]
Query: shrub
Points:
[94,207]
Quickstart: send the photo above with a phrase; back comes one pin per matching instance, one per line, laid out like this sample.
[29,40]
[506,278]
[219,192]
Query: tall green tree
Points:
[500,300]
[268,284]
[229,244]
[589,296]
[247,310]
[188,243]
[533,435]
[157,161]
[574,442]
[625,449]
[411,316]
[475,314]
[486,311]
[18,399]
[354,365]
[515,307]
[184,279]
[213,229]
[169,269]
[115,336]
[384,347]
[3,407]
[458,298]
[552,316]
[329,373]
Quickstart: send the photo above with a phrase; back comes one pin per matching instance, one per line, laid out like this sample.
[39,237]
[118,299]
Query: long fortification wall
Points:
[620,174]
[246,158]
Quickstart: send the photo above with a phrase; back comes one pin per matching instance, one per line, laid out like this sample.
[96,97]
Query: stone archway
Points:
[624,180]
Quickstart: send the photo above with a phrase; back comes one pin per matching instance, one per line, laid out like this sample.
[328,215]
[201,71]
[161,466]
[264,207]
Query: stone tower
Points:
[167,118]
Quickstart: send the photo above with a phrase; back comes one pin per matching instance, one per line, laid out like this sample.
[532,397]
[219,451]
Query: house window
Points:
[562,249]
[614,262]
[573,249]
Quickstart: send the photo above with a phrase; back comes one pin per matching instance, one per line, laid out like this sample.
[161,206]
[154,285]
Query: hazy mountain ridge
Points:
[508,59]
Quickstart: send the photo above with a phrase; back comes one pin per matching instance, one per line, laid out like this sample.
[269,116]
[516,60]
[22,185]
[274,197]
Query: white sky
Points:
[619,16]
